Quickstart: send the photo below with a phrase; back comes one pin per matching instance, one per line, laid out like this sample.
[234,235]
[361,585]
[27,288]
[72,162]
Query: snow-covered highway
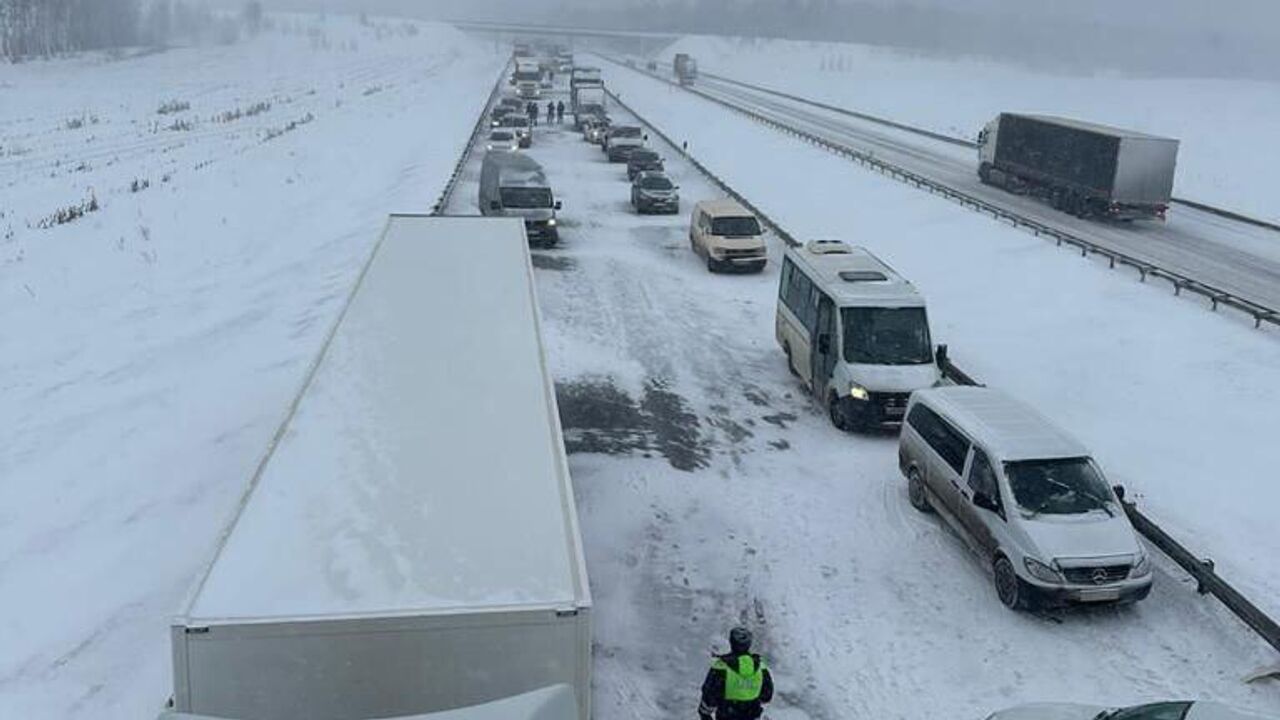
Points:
[1241,259]
[712,490]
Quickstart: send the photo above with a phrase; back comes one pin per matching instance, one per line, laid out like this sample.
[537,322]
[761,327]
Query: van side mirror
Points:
[495,205]
[941,355]
[558,205]
[824,343]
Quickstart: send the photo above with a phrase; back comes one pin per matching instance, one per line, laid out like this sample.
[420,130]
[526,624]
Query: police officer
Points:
[738,684]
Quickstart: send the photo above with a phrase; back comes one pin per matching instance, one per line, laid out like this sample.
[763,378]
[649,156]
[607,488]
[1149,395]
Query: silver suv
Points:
[1024,495]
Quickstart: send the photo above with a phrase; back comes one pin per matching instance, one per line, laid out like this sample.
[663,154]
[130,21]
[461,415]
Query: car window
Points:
[945,440]
[982,478]
[1153,711]
[743,225]
[655,183]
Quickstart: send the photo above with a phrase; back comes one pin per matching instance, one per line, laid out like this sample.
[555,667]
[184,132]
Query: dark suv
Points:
[654,192]
[643,160]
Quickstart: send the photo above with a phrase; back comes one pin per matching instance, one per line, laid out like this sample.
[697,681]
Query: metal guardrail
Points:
[482,124]
[1207,577]
[1216,296]
[965,142]
[1200,569]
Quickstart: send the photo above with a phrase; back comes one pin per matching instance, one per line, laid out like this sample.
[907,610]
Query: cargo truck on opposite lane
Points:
[1082,168]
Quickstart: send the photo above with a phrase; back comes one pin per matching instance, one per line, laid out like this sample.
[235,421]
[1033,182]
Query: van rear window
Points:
[735,226]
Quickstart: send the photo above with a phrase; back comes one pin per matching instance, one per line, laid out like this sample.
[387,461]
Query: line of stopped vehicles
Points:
[1022,493]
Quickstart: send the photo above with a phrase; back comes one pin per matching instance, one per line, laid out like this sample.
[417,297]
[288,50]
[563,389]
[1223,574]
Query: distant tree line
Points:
[47,28]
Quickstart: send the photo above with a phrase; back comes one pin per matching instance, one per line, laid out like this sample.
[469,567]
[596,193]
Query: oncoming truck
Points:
[686,68]
[514,185]
[409,543]
[1082,168]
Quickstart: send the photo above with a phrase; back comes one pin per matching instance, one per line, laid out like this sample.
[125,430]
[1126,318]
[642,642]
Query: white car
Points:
[503,140]
[1176,710]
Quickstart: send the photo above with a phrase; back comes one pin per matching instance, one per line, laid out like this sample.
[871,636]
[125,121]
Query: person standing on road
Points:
[560,113]
[533,113]
[551,112]
[738,684]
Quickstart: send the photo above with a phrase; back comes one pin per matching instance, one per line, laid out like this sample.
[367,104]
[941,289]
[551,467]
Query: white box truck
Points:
[409,542]
[557,702]
[1083,168]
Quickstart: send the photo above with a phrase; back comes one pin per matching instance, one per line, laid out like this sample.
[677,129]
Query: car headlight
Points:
[1040,571]
[552,222]
[1142,568]
[857,392]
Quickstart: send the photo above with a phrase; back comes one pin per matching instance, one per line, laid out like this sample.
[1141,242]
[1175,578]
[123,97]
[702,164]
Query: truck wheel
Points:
[916,492]
[984,173]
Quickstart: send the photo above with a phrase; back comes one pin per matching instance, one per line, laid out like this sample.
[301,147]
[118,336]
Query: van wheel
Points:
[916,492]
[837,414]
[1009,587]
[711,264]
[791,367]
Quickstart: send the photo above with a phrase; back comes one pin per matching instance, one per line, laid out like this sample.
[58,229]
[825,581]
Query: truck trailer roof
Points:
[421,467]
[1093,127]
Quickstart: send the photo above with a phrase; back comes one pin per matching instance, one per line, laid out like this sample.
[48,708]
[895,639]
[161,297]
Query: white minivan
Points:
[1024,495]
[855,332]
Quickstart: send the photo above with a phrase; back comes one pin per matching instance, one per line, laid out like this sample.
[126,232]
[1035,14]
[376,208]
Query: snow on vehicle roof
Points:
[853,276]
[516,170]
[720,207]
[1009,428]
[422,468]
[1093,127]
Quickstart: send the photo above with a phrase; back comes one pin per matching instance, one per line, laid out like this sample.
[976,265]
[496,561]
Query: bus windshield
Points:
[886,336]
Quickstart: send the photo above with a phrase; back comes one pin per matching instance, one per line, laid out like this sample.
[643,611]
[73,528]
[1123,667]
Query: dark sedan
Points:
[643,160]
[654,192]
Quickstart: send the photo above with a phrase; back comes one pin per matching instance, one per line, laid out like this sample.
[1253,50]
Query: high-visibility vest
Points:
[743,683]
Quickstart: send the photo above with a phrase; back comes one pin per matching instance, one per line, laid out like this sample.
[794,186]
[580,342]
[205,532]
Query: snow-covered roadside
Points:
[711,491]
[150,347]
[1178,403]
[1229,150]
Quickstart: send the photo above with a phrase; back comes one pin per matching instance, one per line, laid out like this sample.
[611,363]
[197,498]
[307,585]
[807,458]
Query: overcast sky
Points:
[1231,38]
[1240,14]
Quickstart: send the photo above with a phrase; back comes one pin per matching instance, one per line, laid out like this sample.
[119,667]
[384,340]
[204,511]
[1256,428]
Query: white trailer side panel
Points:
[415,512]
[549,703]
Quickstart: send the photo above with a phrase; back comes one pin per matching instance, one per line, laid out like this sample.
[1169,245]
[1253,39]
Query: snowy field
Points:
[712,491]
[1229,148]
[151,345]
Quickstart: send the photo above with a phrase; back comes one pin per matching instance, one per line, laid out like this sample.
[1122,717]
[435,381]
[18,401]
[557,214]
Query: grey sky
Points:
[1225,38]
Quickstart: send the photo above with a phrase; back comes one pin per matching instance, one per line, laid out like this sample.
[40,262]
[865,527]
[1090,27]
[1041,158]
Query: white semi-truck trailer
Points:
[409,542]
[1083,168]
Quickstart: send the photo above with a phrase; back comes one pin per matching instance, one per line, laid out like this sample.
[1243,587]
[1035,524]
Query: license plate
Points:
[1100,595]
